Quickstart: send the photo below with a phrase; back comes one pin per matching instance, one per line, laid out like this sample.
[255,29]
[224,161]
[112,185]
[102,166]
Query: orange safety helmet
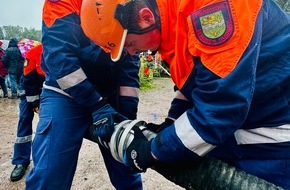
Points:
[98,20]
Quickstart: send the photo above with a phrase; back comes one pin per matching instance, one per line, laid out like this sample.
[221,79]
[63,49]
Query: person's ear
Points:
[146,18]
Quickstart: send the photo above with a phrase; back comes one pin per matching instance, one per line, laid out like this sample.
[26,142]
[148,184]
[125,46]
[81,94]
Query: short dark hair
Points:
[134,16]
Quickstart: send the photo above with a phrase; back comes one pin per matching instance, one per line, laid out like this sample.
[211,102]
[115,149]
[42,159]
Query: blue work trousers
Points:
[14,83]
[55,148]
[22,146]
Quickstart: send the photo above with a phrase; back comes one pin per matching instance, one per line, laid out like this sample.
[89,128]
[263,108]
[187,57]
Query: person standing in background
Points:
[13,61]
[29,91]
[3,73]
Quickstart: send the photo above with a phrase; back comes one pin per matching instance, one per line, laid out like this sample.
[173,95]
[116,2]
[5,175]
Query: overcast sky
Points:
[24,13]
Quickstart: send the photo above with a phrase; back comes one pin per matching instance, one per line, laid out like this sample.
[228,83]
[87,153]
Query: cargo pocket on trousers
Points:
[41,142]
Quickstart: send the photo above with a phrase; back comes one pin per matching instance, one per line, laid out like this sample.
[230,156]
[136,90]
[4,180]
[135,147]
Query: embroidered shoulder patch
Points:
[213,25]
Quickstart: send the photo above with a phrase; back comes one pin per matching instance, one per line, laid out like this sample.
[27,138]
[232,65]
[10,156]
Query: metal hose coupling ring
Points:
[124,135]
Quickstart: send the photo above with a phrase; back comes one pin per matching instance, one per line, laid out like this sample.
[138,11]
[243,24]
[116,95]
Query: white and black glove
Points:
[104,119]
[138,154]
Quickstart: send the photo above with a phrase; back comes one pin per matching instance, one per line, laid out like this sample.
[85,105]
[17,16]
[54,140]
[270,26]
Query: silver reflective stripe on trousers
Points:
[21,92]
[23,139]
[263,135]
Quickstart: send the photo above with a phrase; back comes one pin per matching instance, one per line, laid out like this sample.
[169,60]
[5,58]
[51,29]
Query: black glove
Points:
[138,154]
[178,107]
[159,127]
[104,120]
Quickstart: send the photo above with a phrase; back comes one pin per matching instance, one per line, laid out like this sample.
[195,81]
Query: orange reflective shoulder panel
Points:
[220,32]
[168,14]
[55,10]
[217,31]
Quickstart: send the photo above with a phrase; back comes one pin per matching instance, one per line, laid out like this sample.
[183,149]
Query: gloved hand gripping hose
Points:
[210,174]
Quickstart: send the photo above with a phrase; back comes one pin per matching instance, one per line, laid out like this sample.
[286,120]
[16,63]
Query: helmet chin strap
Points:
[142,31]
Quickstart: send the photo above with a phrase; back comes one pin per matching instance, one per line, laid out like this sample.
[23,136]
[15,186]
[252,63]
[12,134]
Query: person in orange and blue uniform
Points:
[230,62]
[29,91]
[83,86]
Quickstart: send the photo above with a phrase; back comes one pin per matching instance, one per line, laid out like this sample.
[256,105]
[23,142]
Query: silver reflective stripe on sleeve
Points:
[129,91]
[190,138]
[21,92]
[71,79]
[263,135]
[23,139]
[32,98]
[179,95]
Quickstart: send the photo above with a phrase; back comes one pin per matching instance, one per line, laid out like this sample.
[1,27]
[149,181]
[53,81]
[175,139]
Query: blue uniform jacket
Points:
[77,68]
[245,115]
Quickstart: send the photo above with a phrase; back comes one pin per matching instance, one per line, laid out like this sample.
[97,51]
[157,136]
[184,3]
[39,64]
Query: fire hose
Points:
[210,174]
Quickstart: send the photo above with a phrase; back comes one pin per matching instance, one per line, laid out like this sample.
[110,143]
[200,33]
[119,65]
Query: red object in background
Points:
[149,58]
[146,71]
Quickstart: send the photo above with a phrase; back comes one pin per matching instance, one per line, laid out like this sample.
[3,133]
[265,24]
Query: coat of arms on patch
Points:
[213,25]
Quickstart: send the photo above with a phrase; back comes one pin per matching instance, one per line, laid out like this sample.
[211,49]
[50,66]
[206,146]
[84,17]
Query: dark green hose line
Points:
[212,174]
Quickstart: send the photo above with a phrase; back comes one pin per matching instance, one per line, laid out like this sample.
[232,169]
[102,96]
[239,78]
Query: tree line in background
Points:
[8,32]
